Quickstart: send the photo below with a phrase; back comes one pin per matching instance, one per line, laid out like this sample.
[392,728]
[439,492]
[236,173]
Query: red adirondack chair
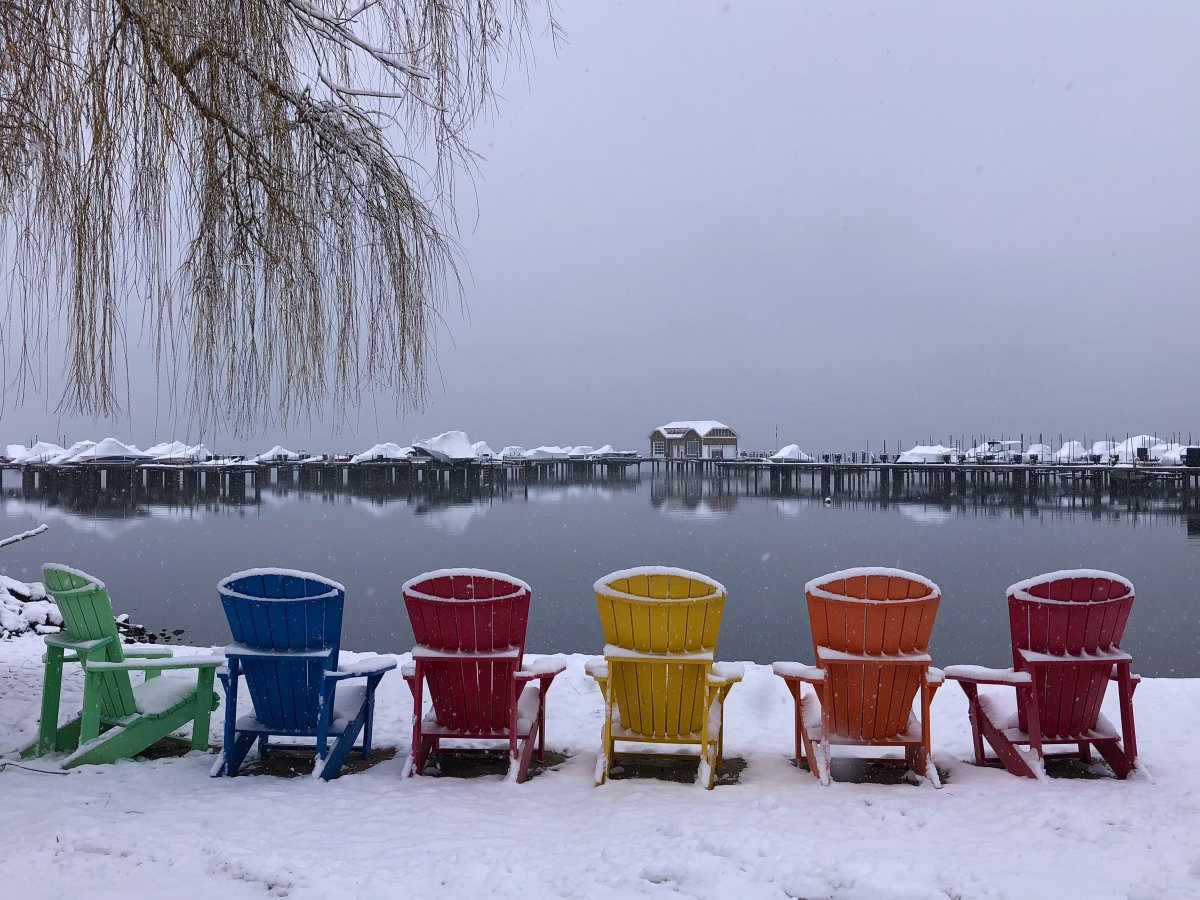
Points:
[1066,643]
[470,631]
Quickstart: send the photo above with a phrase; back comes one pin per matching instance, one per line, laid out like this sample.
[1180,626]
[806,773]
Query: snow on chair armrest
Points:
[597,667]
[934,675]
[541,667]
[374,666]
[726,673]
[986,675]
[829,655]
[244,650]
[798,670]
[152,665]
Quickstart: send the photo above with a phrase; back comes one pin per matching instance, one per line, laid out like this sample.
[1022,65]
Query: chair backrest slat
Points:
[1065,614]
[285,610]
[470,611]
[875,612]
[659,611]
[87,615]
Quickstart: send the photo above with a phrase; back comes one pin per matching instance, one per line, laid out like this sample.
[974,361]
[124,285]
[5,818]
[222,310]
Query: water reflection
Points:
[163,546]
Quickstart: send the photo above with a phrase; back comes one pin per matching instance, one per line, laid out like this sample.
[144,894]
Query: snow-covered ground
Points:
[163,827]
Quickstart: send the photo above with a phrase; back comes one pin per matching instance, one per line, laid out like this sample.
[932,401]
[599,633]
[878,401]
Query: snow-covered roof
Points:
[386,450]
[1071,450]
[926,453]
[109,448]
[702,427]
[275,453]
[448,445]
[791,453]
[184,453]
[40,452]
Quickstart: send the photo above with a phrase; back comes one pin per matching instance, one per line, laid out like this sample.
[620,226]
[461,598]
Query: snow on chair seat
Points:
[871,629]
[1066,629]
[470,629]
[287,629]
[657,676]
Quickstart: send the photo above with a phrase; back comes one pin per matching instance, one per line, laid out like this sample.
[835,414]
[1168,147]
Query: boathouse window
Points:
[693,448]
[659,448]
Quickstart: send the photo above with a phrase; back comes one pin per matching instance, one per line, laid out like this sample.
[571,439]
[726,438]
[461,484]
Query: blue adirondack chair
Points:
[287,627]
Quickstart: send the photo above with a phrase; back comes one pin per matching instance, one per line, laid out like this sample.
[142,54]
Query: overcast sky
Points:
[851,221]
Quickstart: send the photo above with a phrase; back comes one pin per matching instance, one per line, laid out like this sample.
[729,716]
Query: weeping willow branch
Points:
[267,184]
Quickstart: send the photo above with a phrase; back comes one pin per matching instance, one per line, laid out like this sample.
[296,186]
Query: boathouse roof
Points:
[702,427]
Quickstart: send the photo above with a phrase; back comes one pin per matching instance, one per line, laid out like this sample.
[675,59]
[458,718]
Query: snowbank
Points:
[24,607]
[149,824]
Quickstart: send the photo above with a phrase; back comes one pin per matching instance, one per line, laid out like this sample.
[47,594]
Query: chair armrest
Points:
[408,670]
[1135,679]
[597,667]
[155,665]
[726,673]
[67,643]
[243,652]
[542,667]
[829,656]
[985,675]
[799,672]
[147,654]
[363,668]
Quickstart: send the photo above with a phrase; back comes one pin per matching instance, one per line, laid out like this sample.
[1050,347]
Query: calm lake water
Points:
[162,555]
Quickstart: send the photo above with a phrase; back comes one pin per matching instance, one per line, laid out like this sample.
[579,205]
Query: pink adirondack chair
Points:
[470,631]
[1066,642]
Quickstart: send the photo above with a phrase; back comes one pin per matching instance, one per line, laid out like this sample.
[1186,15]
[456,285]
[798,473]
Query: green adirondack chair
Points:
[118,718]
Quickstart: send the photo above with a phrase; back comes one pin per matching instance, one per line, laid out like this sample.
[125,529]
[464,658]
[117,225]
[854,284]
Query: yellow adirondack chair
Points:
[657,677]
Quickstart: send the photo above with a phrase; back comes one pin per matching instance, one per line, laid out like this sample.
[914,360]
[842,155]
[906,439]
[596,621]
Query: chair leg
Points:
[206,701]
[604,759]
[48,730]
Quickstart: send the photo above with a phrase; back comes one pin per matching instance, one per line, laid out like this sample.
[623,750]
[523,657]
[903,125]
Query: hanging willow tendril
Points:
[262,188]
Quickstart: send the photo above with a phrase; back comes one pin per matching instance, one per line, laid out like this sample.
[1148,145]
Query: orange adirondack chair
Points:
[1066,642]
[870,630]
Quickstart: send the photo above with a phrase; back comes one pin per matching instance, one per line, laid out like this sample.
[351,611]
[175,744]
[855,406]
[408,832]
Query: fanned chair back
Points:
[87,616]
[291,612]
[879,612]
[659,611]
[458,612]
[1063,614]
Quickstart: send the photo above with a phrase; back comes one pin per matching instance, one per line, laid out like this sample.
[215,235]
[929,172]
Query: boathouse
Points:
[698,440]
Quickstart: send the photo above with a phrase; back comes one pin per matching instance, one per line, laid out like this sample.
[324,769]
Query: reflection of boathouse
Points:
[700,497]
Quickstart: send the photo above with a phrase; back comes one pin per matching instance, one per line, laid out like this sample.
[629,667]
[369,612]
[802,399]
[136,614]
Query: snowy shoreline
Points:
[775,833]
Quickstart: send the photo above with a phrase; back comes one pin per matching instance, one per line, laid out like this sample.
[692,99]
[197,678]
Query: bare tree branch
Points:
[269,183]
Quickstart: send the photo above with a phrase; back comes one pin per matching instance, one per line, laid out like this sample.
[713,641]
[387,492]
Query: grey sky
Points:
[856,221]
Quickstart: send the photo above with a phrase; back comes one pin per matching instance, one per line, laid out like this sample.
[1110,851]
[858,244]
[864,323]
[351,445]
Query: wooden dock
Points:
[832,475]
